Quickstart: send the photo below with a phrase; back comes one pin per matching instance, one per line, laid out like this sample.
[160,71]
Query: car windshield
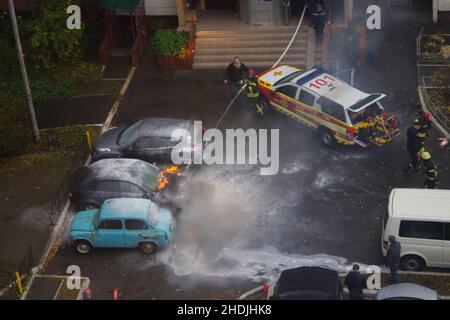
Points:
[151,177]
[153,214]
[130,134]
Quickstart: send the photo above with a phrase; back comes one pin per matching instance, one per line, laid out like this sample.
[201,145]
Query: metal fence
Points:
[13,283]
[429,62]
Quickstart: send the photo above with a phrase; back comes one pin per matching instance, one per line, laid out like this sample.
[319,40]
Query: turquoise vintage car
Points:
[122,223]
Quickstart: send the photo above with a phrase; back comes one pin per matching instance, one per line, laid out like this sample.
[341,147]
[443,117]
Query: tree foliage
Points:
[51,42]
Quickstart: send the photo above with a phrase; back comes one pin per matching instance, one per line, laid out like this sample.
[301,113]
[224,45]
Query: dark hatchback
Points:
[116,178]
[148,139]
[308,283]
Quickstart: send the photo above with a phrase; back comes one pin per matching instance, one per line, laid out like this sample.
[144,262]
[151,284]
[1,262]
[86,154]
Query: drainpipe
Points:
[435,10]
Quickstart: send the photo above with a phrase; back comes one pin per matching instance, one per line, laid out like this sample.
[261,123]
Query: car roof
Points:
[420,203]
[406,290]
[161,127]
[132,170]
[124,208]
[309,278]
[341,93]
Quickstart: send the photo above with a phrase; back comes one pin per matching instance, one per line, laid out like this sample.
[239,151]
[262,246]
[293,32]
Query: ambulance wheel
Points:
[327,137]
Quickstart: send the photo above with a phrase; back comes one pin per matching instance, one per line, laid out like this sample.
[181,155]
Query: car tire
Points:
[327,137]
[83,247]
[148,247]
[412,263]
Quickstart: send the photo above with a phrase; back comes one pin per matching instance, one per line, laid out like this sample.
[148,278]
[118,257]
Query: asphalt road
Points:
[238,227]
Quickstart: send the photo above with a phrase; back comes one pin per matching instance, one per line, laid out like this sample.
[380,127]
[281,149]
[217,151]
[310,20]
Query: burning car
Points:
[340,113]
[119,178]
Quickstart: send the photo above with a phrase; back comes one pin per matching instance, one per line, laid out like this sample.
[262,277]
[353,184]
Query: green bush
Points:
[170,43]
[15,130]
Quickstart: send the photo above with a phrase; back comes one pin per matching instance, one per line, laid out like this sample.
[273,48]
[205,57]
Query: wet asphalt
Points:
[237,228]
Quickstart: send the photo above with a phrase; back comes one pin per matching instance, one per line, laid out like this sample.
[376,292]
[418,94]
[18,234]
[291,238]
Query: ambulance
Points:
[339,112]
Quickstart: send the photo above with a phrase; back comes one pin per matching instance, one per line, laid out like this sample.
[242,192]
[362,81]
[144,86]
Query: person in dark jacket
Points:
[235,74]
[414,145]
[355,283]
[393,257]
[320,16]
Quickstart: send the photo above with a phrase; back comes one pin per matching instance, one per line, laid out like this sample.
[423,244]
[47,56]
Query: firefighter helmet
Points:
[251,72]
[426,155]
[426,116]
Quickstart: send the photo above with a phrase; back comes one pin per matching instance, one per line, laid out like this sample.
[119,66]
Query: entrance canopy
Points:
[125,5]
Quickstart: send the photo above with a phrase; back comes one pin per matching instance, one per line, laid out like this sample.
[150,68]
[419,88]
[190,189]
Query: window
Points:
[135,225]
[422,230]
[333,109]
[110,224]
[128,187]
[290,91]
[146,143]
[108,186]
[447,232]
[306,98]
[130,134]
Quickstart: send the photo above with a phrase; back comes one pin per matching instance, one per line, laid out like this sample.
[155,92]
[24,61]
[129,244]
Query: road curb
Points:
[56,232]
[425,108]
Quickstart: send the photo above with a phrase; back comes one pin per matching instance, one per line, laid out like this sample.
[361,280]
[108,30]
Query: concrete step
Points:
[262,36]
[248,33]
[254,64]
[263,43]
[278,50]
[252,29]
[248,59]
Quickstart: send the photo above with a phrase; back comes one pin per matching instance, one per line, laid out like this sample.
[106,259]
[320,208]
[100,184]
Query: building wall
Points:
[260,12]
[444,5]
[160,7]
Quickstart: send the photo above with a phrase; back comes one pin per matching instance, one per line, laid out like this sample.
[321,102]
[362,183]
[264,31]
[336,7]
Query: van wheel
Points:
[148,247]
[83,247]
[327,137]
[412,263]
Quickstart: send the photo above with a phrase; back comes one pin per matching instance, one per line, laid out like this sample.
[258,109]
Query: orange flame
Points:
[163,183]
[173,169]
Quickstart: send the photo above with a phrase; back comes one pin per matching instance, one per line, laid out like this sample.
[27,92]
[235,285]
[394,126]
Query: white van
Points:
[420,221]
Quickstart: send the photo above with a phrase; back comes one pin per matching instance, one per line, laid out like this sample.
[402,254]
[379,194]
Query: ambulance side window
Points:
[290,91]
[306,98]
[332,109]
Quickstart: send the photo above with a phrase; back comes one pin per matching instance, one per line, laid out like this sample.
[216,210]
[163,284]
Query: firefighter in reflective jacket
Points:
[431,171]
[252,92]
[424,121]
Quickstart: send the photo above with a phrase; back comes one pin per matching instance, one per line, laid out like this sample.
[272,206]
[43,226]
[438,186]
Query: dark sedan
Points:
[117,178]
[148,139]
[307,283]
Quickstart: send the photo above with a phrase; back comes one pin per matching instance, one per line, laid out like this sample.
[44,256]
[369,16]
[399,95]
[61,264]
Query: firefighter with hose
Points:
[252,93]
